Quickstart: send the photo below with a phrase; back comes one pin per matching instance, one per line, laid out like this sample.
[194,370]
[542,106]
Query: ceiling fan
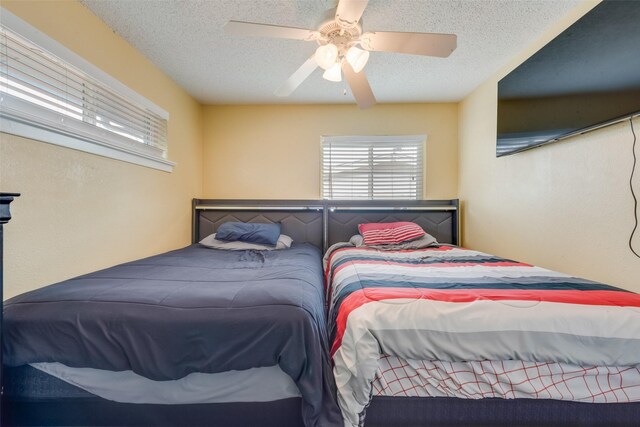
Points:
[338,53]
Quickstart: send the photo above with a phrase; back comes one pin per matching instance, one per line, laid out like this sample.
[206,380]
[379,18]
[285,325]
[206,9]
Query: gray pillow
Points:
[210,241]
[423,242]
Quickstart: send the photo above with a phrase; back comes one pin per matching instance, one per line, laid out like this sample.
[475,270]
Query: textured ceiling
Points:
[185,39]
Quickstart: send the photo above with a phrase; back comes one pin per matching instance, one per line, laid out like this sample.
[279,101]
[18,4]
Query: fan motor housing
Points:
[332,32]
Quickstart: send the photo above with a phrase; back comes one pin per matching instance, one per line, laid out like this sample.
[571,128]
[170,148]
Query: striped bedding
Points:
[452,304]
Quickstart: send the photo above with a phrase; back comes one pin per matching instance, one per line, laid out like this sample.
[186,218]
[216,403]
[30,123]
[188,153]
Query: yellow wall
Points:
[273,151]
[80,212]
[565,206]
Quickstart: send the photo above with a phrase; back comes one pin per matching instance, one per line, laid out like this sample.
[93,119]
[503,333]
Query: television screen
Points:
[586,77]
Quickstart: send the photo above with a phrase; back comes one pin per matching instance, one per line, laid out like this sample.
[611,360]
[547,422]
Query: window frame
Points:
[27,119]
[370,139]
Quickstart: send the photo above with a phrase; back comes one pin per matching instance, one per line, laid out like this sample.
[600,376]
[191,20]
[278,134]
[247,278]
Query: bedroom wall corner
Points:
[565,206]
[273,151]
[80,212]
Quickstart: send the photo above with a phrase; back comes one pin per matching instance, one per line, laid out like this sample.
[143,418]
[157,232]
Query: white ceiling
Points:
[186,40]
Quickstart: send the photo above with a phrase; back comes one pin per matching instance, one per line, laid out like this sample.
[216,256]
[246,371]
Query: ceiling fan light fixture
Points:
[336,38]
[357,58]
[326,55]
[333,73]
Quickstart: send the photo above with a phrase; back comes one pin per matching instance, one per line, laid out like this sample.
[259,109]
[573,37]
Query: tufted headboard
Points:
[300,219]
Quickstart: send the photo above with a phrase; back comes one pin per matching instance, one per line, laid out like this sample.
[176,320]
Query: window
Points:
[372,167]
[51,94]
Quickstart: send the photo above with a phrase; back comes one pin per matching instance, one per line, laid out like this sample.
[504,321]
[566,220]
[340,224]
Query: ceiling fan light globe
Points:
[326,55]
[333,73]
[357,58]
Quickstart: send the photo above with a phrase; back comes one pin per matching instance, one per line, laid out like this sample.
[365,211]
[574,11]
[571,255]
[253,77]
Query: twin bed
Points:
[200,336]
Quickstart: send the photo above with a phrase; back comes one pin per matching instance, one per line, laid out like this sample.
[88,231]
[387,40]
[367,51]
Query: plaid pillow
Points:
[389,233]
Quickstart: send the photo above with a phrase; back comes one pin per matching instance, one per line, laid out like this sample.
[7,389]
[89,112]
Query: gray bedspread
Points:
[190,310]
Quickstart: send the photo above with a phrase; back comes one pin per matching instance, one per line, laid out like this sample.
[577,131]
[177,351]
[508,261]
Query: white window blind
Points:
[372,167]
[45,97]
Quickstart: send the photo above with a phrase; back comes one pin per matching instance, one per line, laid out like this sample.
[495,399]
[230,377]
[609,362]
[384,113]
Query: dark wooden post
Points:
[5,216]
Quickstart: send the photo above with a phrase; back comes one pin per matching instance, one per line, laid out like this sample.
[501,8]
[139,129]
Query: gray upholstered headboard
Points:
[437,217]
[300,219]
[325,222]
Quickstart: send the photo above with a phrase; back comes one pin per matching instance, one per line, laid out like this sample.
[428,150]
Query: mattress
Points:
[190,311]
[452,304]
[264,384]
[34,398]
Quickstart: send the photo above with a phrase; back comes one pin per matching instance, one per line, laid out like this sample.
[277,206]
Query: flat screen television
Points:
[587,77]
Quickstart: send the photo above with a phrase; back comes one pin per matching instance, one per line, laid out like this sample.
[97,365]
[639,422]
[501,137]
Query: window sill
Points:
[113,148]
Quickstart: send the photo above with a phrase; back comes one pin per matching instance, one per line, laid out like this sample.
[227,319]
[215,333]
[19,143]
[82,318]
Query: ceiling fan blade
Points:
[349,12]
[359,86]
[429,44]
[238,28]
[297,78]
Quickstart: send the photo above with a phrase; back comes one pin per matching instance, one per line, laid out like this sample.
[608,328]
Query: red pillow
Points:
[389,233]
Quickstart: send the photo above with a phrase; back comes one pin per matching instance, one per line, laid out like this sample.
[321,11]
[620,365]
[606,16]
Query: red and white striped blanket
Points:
[453,304]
